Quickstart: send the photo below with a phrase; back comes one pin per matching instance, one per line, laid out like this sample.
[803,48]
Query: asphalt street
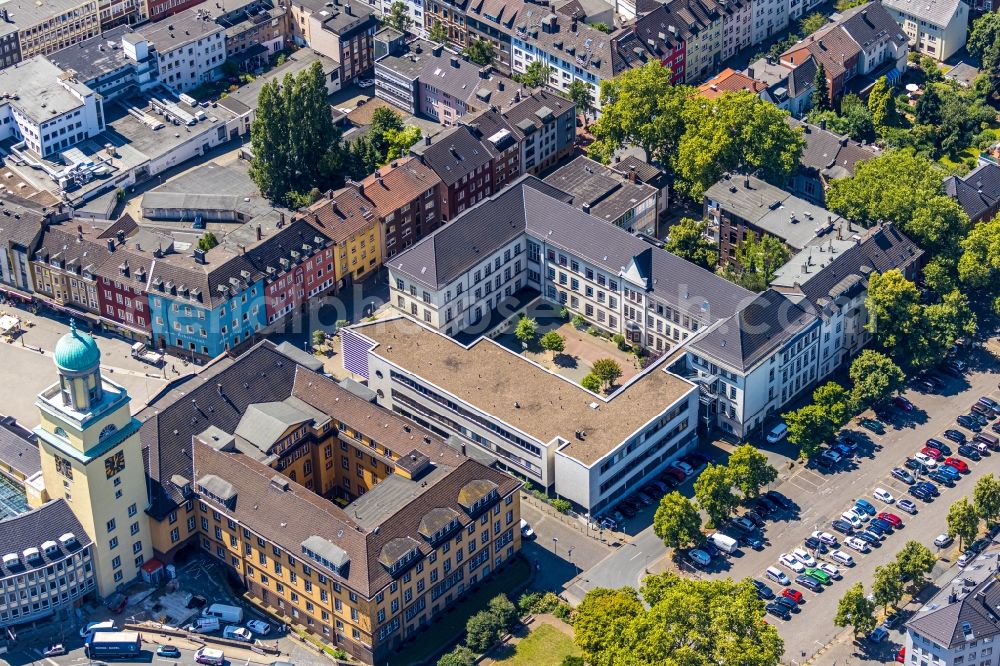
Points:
[821,497]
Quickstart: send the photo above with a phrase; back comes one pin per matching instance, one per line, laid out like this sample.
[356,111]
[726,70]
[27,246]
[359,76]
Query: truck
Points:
[226,613]
[146,355]
[113,645]
[726,544]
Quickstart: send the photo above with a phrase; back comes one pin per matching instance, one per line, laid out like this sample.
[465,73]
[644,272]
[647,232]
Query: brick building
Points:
[407,197]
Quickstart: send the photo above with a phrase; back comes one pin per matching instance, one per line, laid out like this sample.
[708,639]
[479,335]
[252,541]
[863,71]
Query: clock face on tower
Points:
[114,464]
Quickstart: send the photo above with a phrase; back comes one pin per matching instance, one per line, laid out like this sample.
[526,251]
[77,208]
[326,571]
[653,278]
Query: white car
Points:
[856,544]
[365,83]
[259,627]
[805,558]
[853,518]
[842,557]
[925,460]
[683,466]
[825,537]
[830,570]
[789,561]
[883,495]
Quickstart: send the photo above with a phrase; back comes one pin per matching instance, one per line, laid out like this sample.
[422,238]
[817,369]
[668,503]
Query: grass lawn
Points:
[447,628]
[545,646]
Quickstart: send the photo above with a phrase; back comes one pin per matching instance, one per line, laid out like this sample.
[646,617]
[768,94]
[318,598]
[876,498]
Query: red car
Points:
[901,655]
[675,473]
[931,452]
[903,403]
[957,464]
[891,518]
[792,594]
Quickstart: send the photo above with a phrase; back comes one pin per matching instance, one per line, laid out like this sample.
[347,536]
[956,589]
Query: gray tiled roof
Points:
[828,152]
[978,192]
[608,193]
[869,24]
[586,47]
[750,335]
[972,617]
[19,448]
[33,528]
[455,153]
[937,12]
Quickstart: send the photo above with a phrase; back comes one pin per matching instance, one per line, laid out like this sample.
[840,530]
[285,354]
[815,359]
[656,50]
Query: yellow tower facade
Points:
[91,456]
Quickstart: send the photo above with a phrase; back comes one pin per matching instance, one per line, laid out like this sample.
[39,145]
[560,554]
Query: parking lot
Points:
[819,496]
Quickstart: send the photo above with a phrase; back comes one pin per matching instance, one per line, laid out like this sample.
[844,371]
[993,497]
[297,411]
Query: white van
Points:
[840,557]
[210,656]
[204,625]
[231,614]
[777,575]
[726,544]
[777,433]
[93,627]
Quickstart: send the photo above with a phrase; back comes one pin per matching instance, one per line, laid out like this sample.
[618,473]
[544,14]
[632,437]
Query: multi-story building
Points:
[19,457]
[64,268]
[737,26]
[546,124]
[789,87]
[47,112]
[451,14]
[768,18]
[19,235]
[826,156]
[29,28]
[729,80]
[587,448]
[740,207]
[465,166]
[617,282]
[48,564]
[190,48]
[255,30]
[607,195]
[495,21]
[161,9]
[350,221]
[116,63]
[93,461]
[123,278]
[936,28]
[205,303]
[978,192]
[407,197]
[344,32]
[250,474]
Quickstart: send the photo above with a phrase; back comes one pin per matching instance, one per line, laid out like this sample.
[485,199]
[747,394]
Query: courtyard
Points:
[577,358]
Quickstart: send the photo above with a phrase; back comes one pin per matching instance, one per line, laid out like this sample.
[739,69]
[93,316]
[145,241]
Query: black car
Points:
[979,545]
[995,427]
[879,530]
[843,527]
[920,493]
[940,446]
[969,452]
[968,422]
[812,543]
[903,476]
[955,435]
[869,538]
[780,499]
[915,465]
[790,604]
[809,583]
[981,418]
[763,591]
[695,459]
[762,508]
[940,477]
[778,610]
[711,549]
[754,518]
[879,524]
[929,487]
[824,462]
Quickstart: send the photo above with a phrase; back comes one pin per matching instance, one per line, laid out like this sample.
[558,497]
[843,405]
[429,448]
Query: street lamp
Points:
[555,545]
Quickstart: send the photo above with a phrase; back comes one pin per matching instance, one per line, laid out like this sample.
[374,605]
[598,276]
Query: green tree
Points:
[553,342]
[481,52]
[207,241]
[914,561]
[591,382]
[526,330]
[483,630]
[714,491]
[837,402]
[855,610]
[535,75]
[875,378]
[687,622]
[642,108]
[318,337]
[677,521]
[295,144]
[581,95]
[808,428]
[984,43]
[986,498]
[882,105]
[756,262]
[930,68]
[460,656]
[438,33]
[812,23]
[399,142]
[505,611]
[750,470]
[887,588]
[607,370]
[688,241]
[397,17]
[735,132]
[821,91]
[979,265]
[928,106]
[963,521]
[603,27]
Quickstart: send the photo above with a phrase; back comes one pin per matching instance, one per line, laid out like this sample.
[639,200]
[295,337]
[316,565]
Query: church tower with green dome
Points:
[91,457]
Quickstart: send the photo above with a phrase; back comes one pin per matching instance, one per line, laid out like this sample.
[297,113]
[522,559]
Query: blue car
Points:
[943,478]
[929,487]
[950,472]
[864,506]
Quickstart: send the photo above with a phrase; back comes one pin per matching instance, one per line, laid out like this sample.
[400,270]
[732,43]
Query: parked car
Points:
[863,506]
[853,518]
[526,533]
[883,495]
[954,367]
[812,543]
[920,493]
[901,655]
[780,500]
[791,562]
[943,447]
[878,635]
[259,627]
[907,505]
[695,459]
[892,518]
[778,610]
[873,425]
[943,541]
[930,487]
[857,544]
[699,558]
[809,583]
[744,524]
[683,466]
[950,472]
[766,503]
[788,602]
[843,527]
[832,456]
[804,557]
[825,537]
[841,557]
[941,477]
[902,475]
[991,403]
[793,594]
[754,540]
[932,453]
[982,419]
[903,403]
[843,449]
[958,464]
[56,650]
[925,460]
[365,83]
[969,452]
[763,591]
[881,524]
[754,518]
[968,422]
[915,465]
[168,651]
[871,538]
[956,436]
[674,473]
[820,575]
[830,570]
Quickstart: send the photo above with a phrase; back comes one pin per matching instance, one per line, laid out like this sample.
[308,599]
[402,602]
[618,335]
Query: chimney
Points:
[259,233]
[822,124]
[111,245]
[585,208]
[750,72]
[500,87]
[631,174]
[348,9]
[281,220]
[454,61]
[746,181]
[121,236]
[427,140]
[572,25]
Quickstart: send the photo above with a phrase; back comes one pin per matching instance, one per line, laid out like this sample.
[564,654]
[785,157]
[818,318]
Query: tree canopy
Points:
[808,428]
[677,521]
[713,489]
[887,585]
[979,265]
[875,378]
[756,260]
[749,470]
[963,521]
[986,498]
[398,18]
[581,94]
[687,240]
[688,623]
[856,610]
[481,52]
[914,561]
[821,91]
[535,75]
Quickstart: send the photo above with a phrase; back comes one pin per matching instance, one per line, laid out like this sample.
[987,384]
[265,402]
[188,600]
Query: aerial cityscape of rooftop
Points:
[446,332]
